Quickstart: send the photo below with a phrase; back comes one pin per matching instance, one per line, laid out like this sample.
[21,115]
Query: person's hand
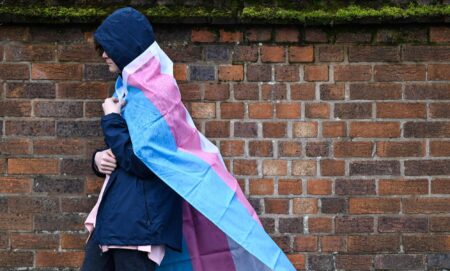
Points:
[105,161]
[112,105]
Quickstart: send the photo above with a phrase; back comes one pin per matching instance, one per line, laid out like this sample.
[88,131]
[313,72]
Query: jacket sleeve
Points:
[117,137]
[94,166]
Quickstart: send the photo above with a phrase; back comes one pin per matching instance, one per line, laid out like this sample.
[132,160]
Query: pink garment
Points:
[155,253]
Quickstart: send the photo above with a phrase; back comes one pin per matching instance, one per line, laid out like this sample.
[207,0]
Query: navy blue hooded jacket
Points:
[137,207]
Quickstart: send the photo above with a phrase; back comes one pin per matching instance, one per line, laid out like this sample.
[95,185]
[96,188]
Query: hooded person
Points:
[171,192]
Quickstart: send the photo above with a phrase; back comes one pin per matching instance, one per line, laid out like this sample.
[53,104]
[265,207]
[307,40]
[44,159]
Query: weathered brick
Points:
[440,34]
[438,72]
[289,148]
[27,205]
[83,90]
[257,72]
[375,129]
[317,110]
[406,72]
[217,129]
[274,129]
[30,90]
[30,128]
[287,73]
[61,34]
[73,241]
[276,206]
[331,53]
[54,71]
[304,168]
[319,187]
[320,262]
[427,167]
[438,261]
[93,109]
[407,34]
[245,129]
[78,129]
[231,73]
[214,92]
[34,241]
[401,110]
[246,91]
[274,167]
[427,129]
[30,52]
[425,91]
[375,91]
[333,244]
[374,205]
[402,224]
[315,34]
[78,205]
[32,166]
[399,262]
[426,53]
[286,34]
[245,54]
[331,167]
[332,91]
[373,243]
[400,149]
[304,206]
[375,167]
[374,54]
[202,110]
[354,224]
[440,186]
[317,149]
[78,53]
[439,223]
[59,259]
[305,243]
[13,108]
[232,148]
[58,146]
[74,166]
[15,185]
[439,110]
[14,71]
[354,262]
[202,73]
[260,110]
[203,35]
[426,205]
[316,73]
[261,186]
[58,109]
[353,149]
[14,32]
[353,37]
[333,205]
[288,110]
[230,36]
[180,72]
[272,53]
[301,54]
[11,221]
[353,110]
[305,129]
[334,129]
[260,148]
[44,184]
[303,91]
[352,72]
[289,187]
[58,222]
[354,187]
[258,34]
[180,52]
[245,167]
[426,243]
[273,92]
[290,225]
[16,259]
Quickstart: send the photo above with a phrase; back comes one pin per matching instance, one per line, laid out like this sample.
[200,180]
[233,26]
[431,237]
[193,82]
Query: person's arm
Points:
[103,162]
[117,137]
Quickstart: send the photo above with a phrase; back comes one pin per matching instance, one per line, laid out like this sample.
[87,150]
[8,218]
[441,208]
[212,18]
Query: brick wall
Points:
[339,136]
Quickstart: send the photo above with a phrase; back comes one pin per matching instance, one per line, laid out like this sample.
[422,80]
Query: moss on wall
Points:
[249,14]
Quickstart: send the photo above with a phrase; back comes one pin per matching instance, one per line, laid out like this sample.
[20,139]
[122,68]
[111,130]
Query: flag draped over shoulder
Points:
[221,231]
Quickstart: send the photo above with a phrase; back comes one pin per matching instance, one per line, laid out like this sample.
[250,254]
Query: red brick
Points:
[32,166]
[232,110]
[316,35]
[402,224]
[440,186]
[333,243]
[15,185]
[272,53]
[245,129]
[353,149]
[301,54]
[298,260]
[354,224]
[304,206]
[83,90]
[260,110]
[286,34]
[320,225]
[276,206]
[231,73]
[203,110]
[287,73]
[354,262]
[403,187]
[305,129]
[61,109]
[374,54]
[217,129]
[407,72]
[246,91]
[316,73]
[232,147]
[93,184]
[319,187]
[440,34]
[258,34]
[425,53]
[304,168]
[30,52]
[59,259]
[353,37]
[332,167]
[304,91]
[288,110]
[426,243]
[334,129]
[400,149]
[230,36]
[274,129]
[274,167]
[352,72]
[15,146]
[401,110]
[203,35]
[354,187]
[289,187]
[439,110]
[426,205]
[217,92]
[331,53]
[317,110]
[375,129]
[73,241]
[317,149]
[375,91]
[374,205]
[14,72]
[332,91]
[14,33]
[272,92]
[261,186]
[439,72]
[190,91]
[55,71]
[289,148]
[259,72]
[180,72]
[245,167]
[13,221]
[439,223]
[353,110]
[373,243]
[260,148]
[305,243]
[245,54]
[16,259]
[34,241]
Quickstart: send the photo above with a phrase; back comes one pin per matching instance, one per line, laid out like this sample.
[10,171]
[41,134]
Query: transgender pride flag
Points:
[221,231]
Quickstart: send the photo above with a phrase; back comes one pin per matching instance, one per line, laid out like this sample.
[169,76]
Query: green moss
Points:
[181,11]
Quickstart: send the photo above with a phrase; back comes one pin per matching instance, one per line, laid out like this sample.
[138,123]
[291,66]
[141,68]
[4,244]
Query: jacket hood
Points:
[124,35]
